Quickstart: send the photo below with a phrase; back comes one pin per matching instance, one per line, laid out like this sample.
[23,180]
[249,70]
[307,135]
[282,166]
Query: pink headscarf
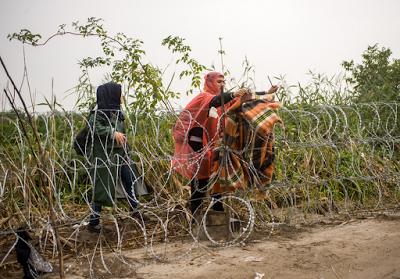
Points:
[210,83]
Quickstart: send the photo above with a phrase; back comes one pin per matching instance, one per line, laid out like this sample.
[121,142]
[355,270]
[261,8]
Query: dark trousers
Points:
[199,187]
[128,177]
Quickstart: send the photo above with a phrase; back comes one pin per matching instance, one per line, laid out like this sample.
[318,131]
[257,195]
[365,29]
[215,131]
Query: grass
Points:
[334,159]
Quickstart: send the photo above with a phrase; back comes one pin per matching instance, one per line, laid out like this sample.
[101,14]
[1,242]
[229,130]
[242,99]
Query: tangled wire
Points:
[331,163]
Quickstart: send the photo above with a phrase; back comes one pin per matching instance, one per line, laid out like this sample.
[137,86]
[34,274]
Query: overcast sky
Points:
[285,37]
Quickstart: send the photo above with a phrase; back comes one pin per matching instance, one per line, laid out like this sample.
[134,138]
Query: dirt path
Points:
[359,248]
[365,248]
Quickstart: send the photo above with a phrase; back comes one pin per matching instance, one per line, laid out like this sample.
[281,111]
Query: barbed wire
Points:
[330,163]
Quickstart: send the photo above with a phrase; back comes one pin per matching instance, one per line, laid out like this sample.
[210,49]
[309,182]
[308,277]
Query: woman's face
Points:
[220,82]
[122,97]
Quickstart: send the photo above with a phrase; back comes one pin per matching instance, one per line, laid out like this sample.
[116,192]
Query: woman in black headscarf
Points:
[107,153]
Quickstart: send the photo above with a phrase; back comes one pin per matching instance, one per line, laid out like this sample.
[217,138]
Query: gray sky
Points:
[285,37]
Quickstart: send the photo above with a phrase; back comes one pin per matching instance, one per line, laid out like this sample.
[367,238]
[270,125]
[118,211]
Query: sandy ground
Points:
[365,248]
[358,248]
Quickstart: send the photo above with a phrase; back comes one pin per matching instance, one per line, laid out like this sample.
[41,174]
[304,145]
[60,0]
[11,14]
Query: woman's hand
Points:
[273,89]
[240,93]
[120,138]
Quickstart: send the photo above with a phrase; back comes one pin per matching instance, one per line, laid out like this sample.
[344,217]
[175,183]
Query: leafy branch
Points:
[196,68]
[143,81]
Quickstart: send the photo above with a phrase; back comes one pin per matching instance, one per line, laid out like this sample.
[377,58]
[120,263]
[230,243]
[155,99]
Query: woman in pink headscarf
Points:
[196,133]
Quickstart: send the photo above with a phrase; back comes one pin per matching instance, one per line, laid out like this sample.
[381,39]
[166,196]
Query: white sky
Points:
[285,37]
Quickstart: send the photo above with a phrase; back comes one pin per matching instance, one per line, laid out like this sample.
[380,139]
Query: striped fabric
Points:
[250,144]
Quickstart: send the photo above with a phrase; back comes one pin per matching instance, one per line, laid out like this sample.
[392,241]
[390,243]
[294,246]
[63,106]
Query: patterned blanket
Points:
[249,143]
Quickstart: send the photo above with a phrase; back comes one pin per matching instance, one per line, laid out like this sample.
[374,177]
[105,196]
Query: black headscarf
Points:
[109,99]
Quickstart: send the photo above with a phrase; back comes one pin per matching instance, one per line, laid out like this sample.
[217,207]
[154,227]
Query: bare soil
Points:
[364,248]
[357,248]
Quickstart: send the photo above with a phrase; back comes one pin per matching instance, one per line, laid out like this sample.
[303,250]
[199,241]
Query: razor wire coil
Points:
[331,162]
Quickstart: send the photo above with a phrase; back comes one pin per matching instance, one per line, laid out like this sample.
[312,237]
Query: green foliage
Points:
[25,36]
[319,90]
[142,81]
[336,164]
[244,81]
[196,68]
[221,52]
[377,78]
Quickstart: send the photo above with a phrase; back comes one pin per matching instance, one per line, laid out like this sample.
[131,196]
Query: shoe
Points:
[140,216]
[98,228]
[217,206]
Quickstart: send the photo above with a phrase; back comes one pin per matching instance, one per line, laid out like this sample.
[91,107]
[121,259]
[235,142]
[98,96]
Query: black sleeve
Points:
[216,101]
[261,92]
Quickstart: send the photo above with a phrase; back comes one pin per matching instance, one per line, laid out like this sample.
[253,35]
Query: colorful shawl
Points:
[250,144]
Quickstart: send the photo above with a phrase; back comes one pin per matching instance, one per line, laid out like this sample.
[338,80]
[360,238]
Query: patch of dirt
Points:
[357,248]
[362,248]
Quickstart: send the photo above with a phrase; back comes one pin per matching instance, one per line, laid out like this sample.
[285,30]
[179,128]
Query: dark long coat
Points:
[104,155]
